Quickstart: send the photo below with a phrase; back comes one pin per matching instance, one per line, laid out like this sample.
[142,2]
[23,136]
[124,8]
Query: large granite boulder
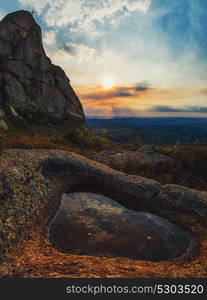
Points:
[31,87]
[32,183]
[89,223]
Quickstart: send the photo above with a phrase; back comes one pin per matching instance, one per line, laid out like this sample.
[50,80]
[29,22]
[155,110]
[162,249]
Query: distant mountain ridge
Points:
[152,130]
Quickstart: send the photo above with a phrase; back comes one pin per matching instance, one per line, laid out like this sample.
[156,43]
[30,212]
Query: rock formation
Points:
[32,183]
[146,155]
[89,223]
[32,89]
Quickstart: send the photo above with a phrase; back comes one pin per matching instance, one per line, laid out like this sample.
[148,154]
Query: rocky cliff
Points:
[32,89]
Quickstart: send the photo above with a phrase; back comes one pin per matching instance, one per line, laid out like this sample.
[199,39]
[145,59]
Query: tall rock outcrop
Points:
[32,89]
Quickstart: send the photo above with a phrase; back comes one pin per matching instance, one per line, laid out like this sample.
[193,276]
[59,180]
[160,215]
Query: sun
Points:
[107,82]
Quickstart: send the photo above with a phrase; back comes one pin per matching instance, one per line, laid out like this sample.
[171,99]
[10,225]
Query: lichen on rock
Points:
[3,125]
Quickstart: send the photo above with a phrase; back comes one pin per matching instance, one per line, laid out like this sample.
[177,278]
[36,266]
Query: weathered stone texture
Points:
[33,181]
[29,82]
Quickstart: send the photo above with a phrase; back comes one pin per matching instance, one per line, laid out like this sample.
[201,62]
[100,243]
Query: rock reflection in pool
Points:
[88,223]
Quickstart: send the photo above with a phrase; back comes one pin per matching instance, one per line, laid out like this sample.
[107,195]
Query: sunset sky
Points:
[127,57]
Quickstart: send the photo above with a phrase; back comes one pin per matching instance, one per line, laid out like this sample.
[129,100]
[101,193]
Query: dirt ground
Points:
[35,258]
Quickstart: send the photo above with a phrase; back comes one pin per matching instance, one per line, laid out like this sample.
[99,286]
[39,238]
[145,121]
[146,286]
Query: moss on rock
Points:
[3,125]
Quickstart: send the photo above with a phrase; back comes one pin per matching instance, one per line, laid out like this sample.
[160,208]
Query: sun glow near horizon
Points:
[107,82]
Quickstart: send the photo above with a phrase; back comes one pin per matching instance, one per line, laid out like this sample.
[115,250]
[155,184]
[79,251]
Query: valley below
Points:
[160,131]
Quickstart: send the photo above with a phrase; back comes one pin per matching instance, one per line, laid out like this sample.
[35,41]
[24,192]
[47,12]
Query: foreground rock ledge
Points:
[33,181]
[92,224]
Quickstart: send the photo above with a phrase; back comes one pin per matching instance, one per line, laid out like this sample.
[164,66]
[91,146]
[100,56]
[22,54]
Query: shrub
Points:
[98,143]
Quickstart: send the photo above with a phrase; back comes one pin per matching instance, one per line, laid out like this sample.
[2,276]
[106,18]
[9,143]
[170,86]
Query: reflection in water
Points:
[88,223]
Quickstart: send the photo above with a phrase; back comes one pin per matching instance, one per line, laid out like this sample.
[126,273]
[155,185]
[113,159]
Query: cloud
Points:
[69,48]
[49,37]
[140,88]
[83,13]
[170,109]
[145,42]
[147,101]
[81,51]
[119,111]
[2,13]
[39,5]
[116,92]
[130,41]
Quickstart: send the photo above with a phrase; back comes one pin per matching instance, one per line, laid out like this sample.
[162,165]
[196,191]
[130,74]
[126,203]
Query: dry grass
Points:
[188,166]
[44,139]
[35,258]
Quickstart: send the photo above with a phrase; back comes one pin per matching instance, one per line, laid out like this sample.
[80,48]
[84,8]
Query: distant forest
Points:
[156,130]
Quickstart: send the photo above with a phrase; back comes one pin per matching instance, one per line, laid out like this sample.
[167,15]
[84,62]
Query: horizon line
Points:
[113,117]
